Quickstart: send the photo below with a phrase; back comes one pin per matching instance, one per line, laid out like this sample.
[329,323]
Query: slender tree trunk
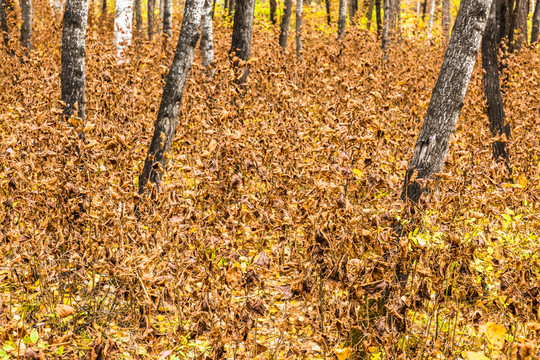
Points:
[370,14]
[535,23]
[299,21]
[447,97]
[424,9]
[26,27]
[378,10]
[418,2]
[273,8]
[3,23]
[161,6]
[232,6]
[285,23]
[207,38]
[150,13]
[103,7]
[492,88]
[353,7]
[386,25]
[431,19]
[123,19]
[445,19]
[521,23]
[342,17]
[171,100]
[168,17]
[58,5]
[73,53]
[242,35]
[328,17]
[138,19]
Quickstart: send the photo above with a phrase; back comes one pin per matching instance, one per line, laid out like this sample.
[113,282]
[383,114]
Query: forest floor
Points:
[274,234]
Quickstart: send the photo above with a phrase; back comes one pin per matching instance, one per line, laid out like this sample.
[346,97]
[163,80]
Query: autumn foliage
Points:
[278,230]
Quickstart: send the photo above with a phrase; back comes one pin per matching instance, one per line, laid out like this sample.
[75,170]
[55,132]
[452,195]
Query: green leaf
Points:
[60,350]
[34,336]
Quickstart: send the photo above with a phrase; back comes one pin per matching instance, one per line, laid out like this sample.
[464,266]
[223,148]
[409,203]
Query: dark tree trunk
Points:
[424,10]
[167,17]
[353,7]
[285,23]
[328,17]
[3,23]
[386,25]
[378,9]
[150,9]
[342,17]
[26,27]
[299,21]
[370,14]
[445,19]
[273,8]
[535,23]
[521,24]
[207,38]
[503,19]
[492,88]
[138,19]
[232,6]
[104,7]
[447,97]
[171,100]
[73,53]
[242,34]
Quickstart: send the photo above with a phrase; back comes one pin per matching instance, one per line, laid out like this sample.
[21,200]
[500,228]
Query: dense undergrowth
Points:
[276,231]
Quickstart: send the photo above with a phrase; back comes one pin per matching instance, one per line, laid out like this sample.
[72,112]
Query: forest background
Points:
[278,230]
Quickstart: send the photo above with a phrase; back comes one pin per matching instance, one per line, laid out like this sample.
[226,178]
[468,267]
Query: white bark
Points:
[431,16]
[417,8]
[123,19]
[342,19]
[207,38]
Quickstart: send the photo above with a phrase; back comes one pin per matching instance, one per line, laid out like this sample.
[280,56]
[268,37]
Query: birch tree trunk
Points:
[445,19]
[417,8]
[492,88]
[431,16]
[273,8]
[285,23]
[123,19]
[242,35]
[3,23]
[447,97]
[171,100]
[299,21]
[328,17]
[207,38]
[342,18]
[168,17]
[26,27]
[150,12]
[73,52]
[535,24]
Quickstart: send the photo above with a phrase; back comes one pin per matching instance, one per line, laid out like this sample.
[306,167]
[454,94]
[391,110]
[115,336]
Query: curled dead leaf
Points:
[64,310]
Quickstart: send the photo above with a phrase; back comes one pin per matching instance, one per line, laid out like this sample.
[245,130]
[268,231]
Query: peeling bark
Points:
[171,100]
[447,97]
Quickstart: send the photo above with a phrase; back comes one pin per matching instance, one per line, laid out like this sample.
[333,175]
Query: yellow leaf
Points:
[357,172]
[495,334]
[343,354]
[521,181]
[470,355]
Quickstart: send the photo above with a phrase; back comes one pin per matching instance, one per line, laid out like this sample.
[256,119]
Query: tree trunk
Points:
[522,8]
[273,8]
[328,17]
[342,17]
[418,2]
[242,34]
[445,19]
[535,23]
[424,9]
[353,7]
[26,27]
[492,88]
[379,19]
[299,21]
[103,7]
[285,23]
[207,38]
[232,6]
[386,25]
[161,6]
[3,23]
[150,10]
[138,19]
[171,100]
[370,14]
[431,18]
[123,19]
[168,17]
[72,57]
[447,96]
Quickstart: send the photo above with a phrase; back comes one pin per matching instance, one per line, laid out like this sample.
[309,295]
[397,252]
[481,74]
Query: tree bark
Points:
[447,97]
[273,8]
[161,6]
[242,35]
[150,12]
[535,23]
[521,22]
[370,14]
[328,17]
[168,17]
[342,17]
[285,23]
[386,25]
[232,6]
[445,19]
[123,19]
[299,21]
[424,9]
[418,2]
[103,7]
[353,7]
[171,100]
[73,52]
[492,88]
[207,38]
[379,19]
[26,27]
[3,23]
[431,16]
[138,19]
